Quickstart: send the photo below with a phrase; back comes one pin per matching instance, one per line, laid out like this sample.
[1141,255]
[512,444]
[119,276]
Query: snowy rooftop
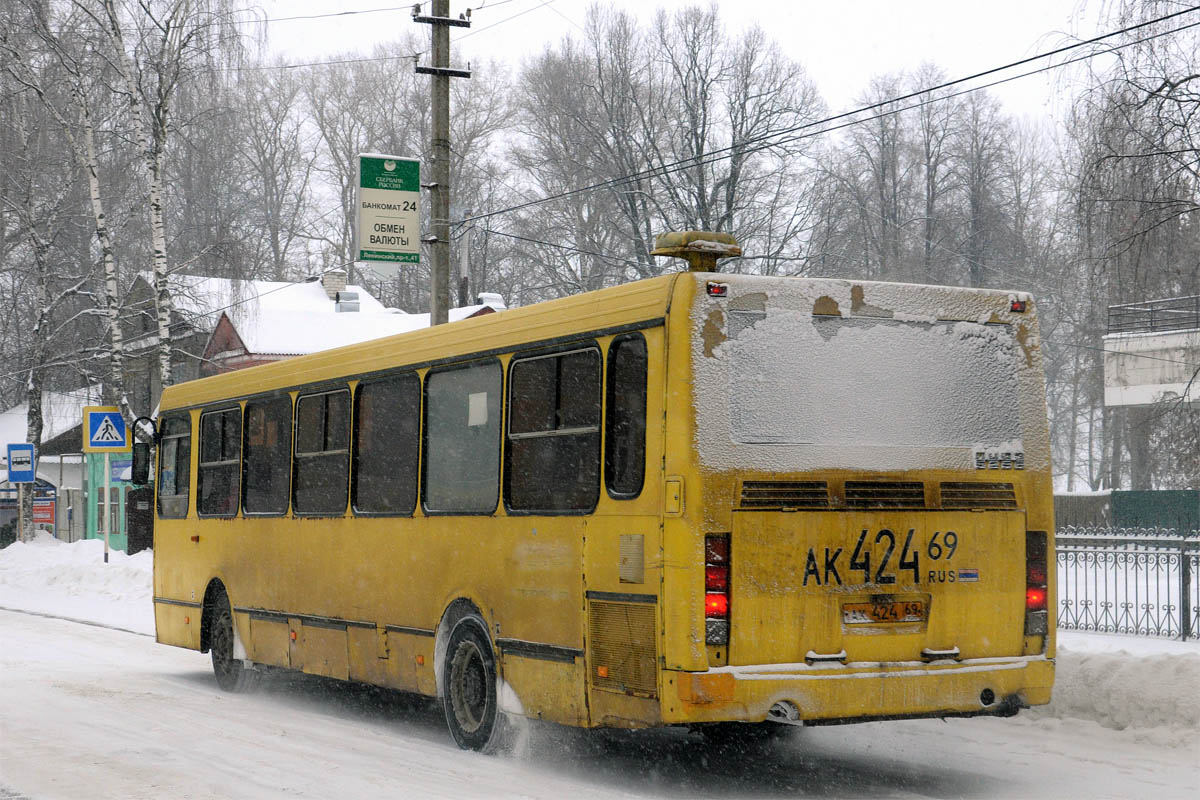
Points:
[205,298]
[281,331]
[61,411]
[282,318]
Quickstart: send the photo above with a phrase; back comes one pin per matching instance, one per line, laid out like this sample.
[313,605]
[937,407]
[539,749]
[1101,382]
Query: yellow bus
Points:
[714,500]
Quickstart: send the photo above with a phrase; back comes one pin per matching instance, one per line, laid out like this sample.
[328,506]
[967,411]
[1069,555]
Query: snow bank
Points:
[71,580]
[1149,687]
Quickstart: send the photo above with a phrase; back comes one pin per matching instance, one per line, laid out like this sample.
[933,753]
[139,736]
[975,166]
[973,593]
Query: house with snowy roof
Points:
[219,324]
[292,319]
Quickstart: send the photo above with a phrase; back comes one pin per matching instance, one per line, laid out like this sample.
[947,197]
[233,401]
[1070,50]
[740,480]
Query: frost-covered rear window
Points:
[801,379]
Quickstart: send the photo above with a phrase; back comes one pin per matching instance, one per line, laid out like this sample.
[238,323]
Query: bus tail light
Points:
[1036,586]
[716,589]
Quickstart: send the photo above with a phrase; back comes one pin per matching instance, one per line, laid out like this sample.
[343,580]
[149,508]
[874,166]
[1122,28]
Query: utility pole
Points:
[439,216]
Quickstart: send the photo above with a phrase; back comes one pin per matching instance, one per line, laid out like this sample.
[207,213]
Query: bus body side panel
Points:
[683,526]
[622,579]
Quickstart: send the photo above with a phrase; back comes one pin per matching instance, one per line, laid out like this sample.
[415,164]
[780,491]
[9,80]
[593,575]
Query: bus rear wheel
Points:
[469,684]
[232,673]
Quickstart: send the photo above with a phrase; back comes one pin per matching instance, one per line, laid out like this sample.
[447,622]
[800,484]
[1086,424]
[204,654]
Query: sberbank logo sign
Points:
[388,217]
[390,173]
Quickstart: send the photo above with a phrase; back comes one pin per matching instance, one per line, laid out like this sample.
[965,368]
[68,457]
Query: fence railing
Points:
[1143,581]
[1154,316]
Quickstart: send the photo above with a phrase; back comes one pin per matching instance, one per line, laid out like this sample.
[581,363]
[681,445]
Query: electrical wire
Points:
[773,139]
[763,141]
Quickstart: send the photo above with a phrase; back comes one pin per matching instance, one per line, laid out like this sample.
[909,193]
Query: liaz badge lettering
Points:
[877,562]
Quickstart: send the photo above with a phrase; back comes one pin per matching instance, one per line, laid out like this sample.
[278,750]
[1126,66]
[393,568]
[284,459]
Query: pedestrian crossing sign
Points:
[104,430]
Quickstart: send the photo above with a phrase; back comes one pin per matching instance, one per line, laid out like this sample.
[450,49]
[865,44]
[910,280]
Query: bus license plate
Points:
[883,612]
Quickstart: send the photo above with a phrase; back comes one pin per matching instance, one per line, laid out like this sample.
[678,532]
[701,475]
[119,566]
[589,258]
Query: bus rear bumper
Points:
[857,691]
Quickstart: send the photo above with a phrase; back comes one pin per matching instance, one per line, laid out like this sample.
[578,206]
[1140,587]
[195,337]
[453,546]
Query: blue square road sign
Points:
[22,466]
[104,430]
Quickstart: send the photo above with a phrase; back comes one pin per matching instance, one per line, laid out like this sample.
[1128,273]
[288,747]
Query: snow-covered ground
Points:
[100,713]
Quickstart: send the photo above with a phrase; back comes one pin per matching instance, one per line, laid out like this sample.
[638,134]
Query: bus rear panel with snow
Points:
[699,499]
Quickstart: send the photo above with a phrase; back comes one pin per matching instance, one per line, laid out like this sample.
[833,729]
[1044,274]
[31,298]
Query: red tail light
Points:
[1037,617]
[716,589]
[716,549]
[716,579]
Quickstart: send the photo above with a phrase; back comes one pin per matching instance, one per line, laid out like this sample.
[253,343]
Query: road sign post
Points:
[104,431]
[22,469]
[387,227]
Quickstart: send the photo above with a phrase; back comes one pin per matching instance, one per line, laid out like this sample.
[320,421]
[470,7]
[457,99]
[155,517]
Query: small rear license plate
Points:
[883,612]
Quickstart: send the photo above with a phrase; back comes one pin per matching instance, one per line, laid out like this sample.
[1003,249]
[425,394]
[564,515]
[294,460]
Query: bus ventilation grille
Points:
[978,495]
[885,494]
[785,494]
[622,647]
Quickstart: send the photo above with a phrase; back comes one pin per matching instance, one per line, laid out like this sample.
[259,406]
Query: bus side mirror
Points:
[139,473]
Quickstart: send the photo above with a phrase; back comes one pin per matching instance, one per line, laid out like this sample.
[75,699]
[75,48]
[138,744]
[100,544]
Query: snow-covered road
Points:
[93,712]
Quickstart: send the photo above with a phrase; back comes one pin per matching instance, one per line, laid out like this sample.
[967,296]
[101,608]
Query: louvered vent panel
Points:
[621,637]
[885,494]
[978,495]
[785,494]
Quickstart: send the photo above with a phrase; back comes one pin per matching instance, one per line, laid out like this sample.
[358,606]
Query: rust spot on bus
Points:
[860,307]
[826,306]
[713,332]
[1026,345]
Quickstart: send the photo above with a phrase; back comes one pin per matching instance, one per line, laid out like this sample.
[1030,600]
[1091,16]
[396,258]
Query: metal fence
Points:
[1143,581]
[1155,316]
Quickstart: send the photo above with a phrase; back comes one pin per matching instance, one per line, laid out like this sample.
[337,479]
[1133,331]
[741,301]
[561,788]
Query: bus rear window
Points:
[873,382]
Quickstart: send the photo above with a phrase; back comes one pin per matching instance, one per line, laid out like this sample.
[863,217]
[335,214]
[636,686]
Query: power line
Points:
[773,139]
[699,160]
[326,16]
[614,259]
[371,59]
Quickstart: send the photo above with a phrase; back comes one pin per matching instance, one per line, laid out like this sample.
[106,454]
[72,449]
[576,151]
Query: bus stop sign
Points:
[22,467]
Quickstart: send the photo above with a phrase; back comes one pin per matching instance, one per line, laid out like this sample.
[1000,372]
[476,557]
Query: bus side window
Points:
[266,456]
[386,429]
[322,453]
[174,460]
[461,457]
[218,480]
[554,432]
[625,426]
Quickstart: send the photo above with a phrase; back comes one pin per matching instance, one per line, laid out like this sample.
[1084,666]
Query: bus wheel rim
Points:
[468,686]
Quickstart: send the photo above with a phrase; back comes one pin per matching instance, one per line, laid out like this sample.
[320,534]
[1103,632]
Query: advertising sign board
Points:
[388,223]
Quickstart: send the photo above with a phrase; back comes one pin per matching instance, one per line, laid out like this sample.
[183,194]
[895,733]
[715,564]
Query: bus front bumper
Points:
[857,691]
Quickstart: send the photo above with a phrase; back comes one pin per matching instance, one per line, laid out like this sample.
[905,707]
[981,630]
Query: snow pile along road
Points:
[47,576]
[1149,687]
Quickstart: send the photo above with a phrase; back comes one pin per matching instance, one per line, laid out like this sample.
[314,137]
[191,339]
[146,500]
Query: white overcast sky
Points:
[840,43]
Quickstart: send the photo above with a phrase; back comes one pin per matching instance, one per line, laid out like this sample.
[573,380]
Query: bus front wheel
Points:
[232,673]
[469,688]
